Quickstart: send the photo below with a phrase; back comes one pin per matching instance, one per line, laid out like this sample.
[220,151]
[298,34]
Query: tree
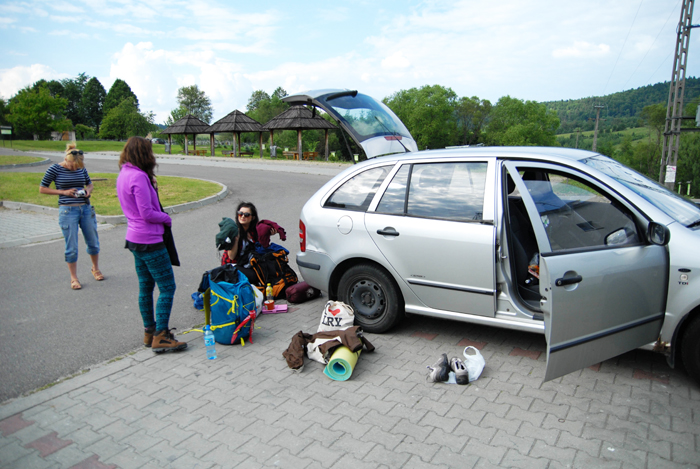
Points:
[195,102]
[255,99]
[92,102]
[125,121]
[35,111]
[118,92]
[516,122]
[54,87]
[471,115]
[4,110]
[429,114]
[262,107]
[73,92]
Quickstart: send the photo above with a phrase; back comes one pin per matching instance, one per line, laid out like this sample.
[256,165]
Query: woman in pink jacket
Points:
[136,189]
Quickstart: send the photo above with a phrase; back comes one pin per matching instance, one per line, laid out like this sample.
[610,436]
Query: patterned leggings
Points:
[151,268]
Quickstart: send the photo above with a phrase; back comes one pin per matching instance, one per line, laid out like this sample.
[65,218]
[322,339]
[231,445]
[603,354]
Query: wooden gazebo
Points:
[235,122]
[299,118]
[187,125]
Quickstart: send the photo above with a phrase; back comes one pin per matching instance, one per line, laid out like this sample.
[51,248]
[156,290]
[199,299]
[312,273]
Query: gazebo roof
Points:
[236,121]
[187,125]
[298,118]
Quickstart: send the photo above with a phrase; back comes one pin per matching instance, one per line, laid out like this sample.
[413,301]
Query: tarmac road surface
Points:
[48,331]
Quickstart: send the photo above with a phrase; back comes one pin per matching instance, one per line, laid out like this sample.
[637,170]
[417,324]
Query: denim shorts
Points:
[70,217]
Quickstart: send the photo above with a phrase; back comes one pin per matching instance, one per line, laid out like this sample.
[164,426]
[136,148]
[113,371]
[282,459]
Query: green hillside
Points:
[622,110]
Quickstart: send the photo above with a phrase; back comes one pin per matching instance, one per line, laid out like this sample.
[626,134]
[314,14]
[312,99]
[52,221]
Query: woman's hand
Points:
[273,231]
[70,192]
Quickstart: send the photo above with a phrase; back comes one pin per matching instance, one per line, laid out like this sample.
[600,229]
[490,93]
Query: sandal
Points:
[75,284]
[97,274]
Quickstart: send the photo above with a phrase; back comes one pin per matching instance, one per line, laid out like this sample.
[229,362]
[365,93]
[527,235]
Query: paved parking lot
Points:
[247,409]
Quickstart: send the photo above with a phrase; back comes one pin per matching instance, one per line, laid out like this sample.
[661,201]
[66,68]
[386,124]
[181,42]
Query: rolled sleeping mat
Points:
[341,364]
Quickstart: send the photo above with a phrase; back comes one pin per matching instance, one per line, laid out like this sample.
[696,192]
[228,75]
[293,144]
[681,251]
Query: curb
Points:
[121,219]
[23,165]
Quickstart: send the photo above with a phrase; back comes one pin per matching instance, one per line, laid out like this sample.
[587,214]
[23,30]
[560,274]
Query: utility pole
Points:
[597,118]
[674,110]
[578,133]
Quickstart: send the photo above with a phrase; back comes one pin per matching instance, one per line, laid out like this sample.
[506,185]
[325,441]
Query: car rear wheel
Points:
[690,349]
[373,296]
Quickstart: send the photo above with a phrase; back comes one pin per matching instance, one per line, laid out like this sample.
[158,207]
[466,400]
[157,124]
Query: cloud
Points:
[581,49]
[396,60]
[14,79]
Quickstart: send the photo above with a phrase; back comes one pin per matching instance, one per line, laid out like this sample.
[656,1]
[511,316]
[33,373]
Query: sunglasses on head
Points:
[76,152]
[244,214]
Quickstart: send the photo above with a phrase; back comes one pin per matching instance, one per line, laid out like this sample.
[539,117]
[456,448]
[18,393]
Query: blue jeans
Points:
[72,217]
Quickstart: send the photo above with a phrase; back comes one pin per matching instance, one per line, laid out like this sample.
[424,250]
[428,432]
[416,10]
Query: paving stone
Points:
[380,454]
[30,461]
[564,456]
[492,454]
[424,451]
[13,451]
[93,462]
[13,424]
[348,444]
[48,444]
[513,458]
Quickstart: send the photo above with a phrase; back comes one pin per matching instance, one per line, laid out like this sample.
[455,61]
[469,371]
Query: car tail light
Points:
[302,236]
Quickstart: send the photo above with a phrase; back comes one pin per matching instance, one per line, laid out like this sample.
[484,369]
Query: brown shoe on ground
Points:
[164,341]
[148,336]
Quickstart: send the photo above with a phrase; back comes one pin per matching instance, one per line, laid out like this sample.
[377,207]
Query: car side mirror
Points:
[658,234]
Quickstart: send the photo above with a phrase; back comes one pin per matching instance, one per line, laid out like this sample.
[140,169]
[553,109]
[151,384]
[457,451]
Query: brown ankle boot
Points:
[164,341]
[148,336]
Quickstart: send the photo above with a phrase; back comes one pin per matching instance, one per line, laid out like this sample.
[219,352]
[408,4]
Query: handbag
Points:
[168,239]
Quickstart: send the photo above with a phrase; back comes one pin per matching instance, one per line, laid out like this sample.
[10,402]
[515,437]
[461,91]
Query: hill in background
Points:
[622,110]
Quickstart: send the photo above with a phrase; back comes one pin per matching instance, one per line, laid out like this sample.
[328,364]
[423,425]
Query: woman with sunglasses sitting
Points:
[251,230]
[73,187]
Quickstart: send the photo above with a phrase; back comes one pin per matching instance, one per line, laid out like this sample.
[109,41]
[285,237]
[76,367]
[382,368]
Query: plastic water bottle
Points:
[209,342]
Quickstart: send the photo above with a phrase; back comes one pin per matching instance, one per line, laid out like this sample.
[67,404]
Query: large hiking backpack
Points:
[229,304]
[272,266]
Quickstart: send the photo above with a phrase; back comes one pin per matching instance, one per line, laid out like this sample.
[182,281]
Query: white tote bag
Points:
[336,315]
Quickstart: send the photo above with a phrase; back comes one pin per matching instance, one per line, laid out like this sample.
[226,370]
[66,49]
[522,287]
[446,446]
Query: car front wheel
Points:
[690,349]
[373,296]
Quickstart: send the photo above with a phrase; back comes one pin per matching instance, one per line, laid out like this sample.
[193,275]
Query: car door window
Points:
[577,215]
[449,191]
[357,192]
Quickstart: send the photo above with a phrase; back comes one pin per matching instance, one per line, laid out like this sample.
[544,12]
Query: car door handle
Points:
[560,282]
[388,231]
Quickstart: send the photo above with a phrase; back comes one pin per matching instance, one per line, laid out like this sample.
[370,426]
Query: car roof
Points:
[501,152]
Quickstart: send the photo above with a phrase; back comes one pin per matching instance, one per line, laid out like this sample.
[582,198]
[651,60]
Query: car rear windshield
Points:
[682,210]
[367,117]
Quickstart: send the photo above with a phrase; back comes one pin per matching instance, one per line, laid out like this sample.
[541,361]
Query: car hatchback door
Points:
[603,287]
[434,226]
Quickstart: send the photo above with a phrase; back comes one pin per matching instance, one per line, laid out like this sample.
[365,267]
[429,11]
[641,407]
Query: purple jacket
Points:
[139,203]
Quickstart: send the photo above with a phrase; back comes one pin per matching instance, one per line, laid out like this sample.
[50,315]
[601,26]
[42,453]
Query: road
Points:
[48,331]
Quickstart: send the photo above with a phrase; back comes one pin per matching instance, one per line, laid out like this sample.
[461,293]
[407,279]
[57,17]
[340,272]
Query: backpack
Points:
[229,304]
[272,266]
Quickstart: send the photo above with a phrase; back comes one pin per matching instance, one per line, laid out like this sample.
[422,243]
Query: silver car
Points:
[567,243]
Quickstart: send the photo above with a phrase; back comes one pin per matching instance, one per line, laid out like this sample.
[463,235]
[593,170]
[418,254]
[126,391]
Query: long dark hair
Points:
[253,220]
[139,152]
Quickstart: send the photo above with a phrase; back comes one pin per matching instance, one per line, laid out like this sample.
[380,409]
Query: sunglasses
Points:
[244,214]
[76,152]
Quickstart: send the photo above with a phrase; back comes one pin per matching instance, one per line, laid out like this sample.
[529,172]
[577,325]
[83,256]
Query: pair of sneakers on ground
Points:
[163,341]
[440,371]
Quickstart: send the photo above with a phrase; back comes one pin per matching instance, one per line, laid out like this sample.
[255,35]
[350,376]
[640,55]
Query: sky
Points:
[531,50]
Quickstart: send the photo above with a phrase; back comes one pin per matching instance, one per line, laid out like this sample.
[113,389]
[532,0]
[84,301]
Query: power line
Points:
[652,45]
[623,48]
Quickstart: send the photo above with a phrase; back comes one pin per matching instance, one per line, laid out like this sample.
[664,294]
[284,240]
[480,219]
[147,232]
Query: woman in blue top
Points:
[73,187]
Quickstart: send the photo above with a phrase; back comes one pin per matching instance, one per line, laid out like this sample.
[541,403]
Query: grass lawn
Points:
[18,159]
[24,187]
[96,146]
